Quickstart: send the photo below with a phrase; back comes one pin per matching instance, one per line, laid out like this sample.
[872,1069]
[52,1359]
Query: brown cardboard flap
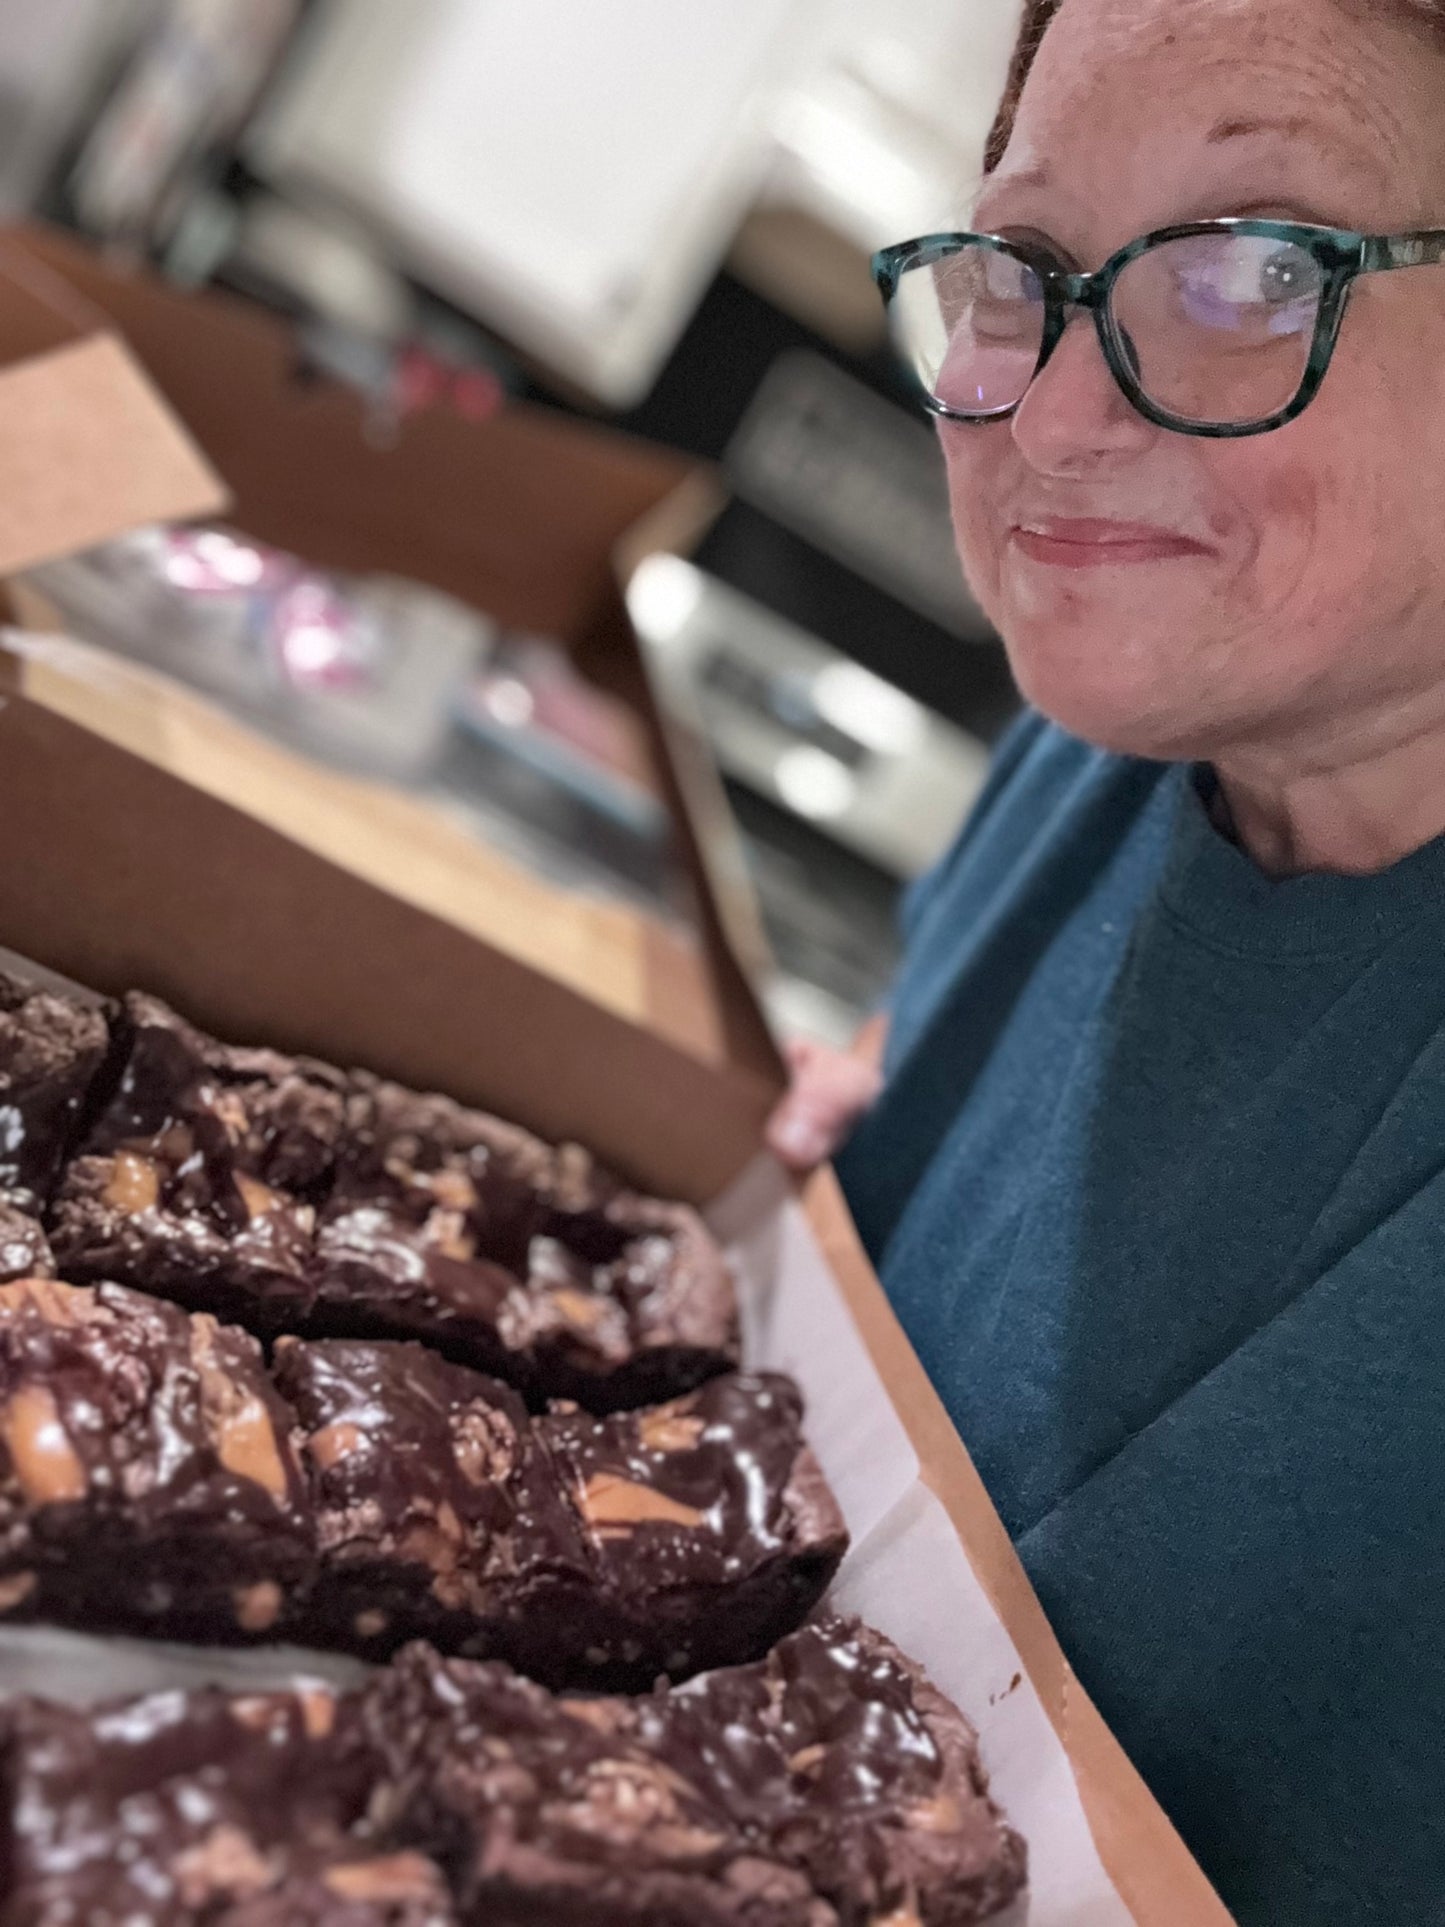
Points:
[1154,1871]
[619,957]
[119,873]
[88,450]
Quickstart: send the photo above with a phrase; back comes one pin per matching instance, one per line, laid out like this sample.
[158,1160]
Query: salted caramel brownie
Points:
[199,1178]
[515,1257]
[436,1516]
[184,1808]
[51,1048]
[586,1551]
[829,1785]
[148,1476]
[838,1756]
[710,1529]
[286,1196]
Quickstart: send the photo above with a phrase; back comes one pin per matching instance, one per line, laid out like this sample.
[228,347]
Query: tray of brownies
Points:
[454,1429]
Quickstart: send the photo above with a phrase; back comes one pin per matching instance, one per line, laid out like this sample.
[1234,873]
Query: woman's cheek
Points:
[979,524]
[1298,560]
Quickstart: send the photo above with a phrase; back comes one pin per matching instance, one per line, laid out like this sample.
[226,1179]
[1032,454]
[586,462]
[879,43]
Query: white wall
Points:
[573,170]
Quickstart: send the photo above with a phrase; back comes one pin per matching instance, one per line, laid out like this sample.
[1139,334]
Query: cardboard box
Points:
[520,517]
[118,870]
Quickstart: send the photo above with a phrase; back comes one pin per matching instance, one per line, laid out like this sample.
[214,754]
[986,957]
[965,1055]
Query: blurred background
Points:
[650,214]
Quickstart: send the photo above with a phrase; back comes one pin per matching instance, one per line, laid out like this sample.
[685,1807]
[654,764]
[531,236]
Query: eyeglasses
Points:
[1218,328]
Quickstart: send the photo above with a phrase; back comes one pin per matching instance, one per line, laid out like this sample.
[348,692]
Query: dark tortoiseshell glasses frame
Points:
[1341,254]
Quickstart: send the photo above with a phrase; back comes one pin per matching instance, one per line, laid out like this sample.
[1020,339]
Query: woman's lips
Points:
[1084,542]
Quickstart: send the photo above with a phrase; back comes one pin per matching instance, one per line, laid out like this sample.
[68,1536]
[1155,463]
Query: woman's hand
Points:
[829,1092]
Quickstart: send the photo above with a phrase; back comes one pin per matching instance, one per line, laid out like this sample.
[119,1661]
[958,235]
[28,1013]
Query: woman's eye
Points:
[1288,276]
[1246,281]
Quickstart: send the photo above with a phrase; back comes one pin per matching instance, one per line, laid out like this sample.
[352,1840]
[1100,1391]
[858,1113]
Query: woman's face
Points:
[1177,597]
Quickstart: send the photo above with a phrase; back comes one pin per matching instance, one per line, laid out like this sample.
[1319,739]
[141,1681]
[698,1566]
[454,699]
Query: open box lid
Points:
[520,516]
[88,449]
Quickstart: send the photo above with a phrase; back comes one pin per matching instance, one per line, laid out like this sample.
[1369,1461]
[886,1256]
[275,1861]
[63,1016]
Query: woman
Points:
[1156,1179]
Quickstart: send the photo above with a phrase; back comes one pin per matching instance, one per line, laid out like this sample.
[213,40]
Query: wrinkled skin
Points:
[1295,636]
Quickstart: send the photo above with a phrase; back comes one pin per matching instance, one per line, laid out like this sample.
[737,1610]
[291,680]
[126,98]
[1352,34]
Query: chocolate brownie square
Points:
[829,1783]
[437,1517]
[550,1810]
[599,1552]
[711,1531]
[179,1808]
[199,1178]
[516,1258]
[148,1477]
[838,1756]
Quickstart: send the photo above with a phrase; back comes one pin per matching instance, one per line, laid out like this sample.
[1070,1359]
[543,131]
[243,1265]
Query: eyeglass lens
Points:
[1217,328]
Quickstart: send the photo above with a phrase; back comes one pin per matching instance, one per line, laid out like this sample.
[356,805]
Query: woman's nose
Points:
[1075,416]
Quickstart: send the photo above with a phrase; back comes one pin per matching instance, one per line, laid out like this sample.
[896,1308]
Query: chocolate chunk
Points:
[583,1550]
[829,1783]
[24,1248]
[148,1478]
[51,1047]
[512,1257]
[347,1887]
[199,1178]
[184,1808]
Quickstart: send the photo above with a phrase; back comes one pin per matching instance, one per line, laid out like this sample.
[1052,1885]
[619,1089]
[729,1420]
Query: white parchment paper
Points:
[907,1574]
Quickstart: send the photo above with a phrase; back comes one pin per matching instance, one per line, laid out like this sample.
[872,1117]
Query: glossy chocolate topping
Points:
[173,1809]
[148,1476]
[286,1196]
[24,1248]
[50,1049]
[829,1782]
[601,1551]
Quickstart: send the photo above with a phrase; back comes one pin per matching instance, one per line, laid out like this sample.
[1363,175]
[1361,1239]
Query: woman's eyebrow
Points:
[1239,126]
[1338,145]
[1029,180]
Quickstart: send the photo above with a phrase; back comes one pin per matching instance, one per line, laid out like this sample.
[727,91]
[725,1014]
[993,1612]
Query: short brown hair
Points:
[1038,14]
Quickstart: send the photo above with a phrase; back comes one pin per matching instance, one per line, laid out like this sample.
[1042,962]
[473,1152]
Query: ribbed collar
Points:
[1213,888]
